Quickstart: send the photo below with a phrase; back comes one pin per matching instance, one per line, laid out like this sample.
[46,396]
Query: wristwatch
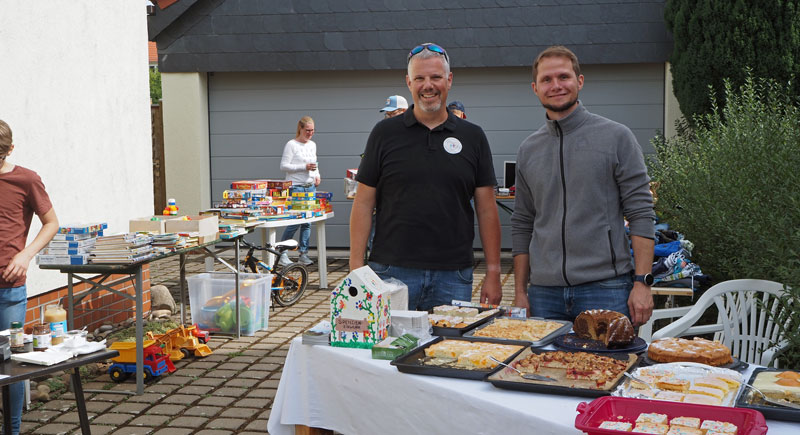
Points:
[647,279]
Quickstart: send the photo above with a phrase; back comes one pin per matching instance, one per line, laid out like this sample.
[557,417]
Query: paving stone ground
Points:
[229,392]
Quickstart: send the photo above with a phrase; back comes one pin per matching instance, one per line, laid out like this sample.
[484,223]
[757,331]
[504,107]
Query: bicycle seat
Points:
[286,244]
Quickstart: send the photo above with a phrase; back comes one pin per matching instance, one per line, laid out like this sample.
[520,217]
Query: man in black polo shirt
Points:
[420,170]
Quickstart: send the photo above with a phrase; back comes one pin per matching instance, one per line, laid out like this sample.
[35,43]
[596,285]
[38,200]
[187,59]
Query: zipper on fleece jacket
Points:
[560,134]
[613,254]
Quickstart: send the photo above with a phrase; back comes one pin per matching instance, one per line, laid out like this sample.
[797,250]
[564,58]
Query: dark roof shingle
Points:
[311,35]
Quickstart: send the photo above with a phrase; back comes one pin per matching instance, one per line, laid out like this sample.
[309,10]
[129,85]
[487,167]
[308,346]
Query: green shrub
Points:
[716,39]
[731,184]
[155,86]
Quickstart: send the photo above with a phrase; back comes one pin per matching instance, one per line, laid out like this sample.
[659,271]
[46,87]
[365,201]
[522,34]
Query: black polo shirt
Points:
[424,181]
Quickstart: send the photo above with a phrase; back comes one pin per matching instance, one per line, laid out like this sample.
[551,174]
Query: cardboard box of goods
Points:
[204,225]
[149,224]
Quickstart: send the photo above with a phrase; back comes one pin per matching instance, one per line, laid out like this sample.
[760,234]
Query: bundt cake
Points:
[610,327]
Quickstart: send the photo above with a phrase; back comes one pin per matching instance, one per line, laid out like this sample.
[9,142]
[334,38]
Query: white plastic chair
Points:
[742,324]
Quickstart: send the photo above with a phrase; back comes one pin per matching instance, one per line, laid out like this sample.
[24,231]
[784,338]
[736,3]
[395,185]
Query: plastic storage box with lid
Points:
[610,408]
[212,298]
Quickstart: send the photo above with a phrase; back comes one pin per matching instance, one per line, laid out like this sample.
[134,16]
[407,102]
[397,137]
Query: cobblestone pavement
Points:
[228,392]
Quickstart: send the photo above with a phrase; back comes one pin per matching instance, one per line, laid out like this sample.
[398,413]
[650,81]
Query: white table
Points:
[269,232]
[345,390]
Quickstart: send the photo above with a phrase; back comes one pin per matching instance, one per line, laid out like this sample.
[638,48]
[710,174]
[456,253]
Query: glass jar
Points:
[56,317]
[15,336]
[41,337]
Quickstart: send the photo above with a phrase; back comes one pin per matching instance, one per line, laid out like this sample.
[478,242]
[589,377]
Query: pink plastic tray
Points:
[590,415]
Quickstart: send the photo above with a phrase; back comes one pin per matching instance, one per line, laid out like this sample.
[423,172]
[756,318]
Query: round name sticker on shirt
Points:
[452,145]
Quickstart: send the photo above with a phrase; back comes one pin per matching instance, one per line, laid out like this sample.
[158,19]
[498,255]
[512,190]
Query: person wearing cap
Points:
[395,105]
[419,172]
[457,108]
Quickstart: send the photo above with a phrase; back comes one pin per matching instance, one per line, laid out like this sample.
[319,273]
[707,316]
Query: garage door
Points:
[252,115]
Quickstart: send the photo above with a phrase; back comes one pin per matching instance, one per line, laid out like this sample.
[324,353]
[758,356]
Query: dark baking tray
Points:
[533,387]
[737,365]
[410,362]
[573,342]
[458,332]
[769,411]
[544,341]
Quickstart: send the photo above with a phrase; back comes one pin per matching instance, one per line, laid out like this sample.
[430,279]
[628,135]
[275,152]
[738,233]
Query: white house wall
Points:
[74,78]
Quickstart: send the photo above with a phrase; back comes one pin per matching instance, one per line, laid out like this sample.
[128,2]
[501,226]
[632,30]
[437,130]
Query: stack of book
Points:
[167,242]
[319,334]
[123,248]
[189,239]
[71,245]
[231,231]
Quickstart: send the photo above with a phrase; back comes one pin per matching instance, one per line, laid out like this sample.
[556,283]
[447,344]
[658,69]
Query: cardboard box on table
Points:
[359,310]
[205,225]
[148,225]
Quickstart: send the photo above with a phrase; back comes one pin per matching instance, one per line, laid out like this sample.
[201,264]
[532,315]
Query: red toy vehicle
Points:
[199,333]
[155,363]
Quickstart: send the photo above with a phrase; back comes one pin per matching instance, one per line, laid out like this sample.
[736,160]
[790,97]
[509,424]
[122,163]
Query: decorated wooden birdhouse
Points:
[359,310]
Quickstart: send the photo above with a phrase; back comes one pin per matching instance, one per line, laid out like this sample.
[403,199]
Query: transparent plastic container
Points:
[212,301]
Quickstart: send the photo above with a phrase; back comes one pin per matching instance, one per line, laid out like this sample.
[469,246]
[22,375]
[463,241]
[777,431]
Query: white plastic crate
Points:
[212,301]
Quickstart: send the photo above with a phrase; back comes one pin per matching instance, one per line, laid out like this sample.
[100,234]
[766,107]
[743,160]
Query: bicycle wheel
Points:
[291,282]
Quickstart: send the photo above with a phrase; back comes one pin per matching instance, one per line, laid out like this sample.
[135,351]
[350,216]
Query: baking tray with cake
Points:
[683,382]
[609,415]
[571,373]
[539,332]
[459,357]
[776,384]
[454,321]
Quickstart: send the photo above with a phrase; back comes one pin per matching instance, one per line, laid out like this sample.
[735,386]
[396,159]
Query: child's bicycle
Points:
[289,282]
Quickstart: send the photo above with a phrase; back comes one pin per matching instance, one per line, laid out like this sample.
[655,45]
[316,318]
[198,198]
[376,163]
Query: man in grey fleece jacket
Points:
[576,177]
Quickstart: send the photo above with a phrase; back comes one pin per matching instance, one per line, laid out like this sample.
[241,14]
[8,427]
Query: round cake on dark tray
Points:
[610,327]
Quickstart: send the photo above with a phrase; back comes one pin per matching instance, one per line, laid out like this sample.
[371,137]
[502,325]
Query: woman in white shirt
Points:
[299,161]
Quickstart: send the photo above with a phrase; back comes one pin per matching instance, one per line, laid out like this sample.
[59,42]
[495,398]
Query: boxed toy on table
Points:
[249,184]
[82,228]
[359,310]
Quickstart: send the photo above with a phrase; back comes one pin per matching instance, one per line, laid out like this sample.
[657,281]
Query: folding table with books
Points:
[101,273]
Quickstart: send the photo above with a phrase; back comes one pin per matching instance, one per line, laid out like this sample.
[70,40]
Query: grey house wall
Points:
[252,115]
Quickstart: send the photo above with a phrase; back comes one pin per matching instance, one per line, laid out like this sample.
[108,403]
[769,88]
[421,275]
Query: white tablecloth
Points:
[345,390]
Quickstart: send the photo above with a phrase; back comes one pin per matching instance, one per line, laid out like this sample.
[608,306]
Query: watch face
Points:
[646,278]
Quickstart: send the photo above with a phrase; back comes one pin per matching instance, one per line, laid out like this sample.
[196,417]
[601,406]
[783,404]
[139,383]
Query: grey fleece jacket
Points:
[575,180]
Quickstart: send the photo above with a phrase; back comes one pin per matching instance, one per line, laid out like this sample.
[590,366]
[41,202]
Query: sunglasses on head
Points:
[427,46]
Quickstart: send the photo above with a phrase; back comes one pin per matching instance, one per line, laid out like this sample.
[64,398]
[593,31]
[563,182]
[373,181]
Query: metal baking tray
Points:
[411,362]
[750,399]
[458,332]
[544,341]
[508,379]
[736,364]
